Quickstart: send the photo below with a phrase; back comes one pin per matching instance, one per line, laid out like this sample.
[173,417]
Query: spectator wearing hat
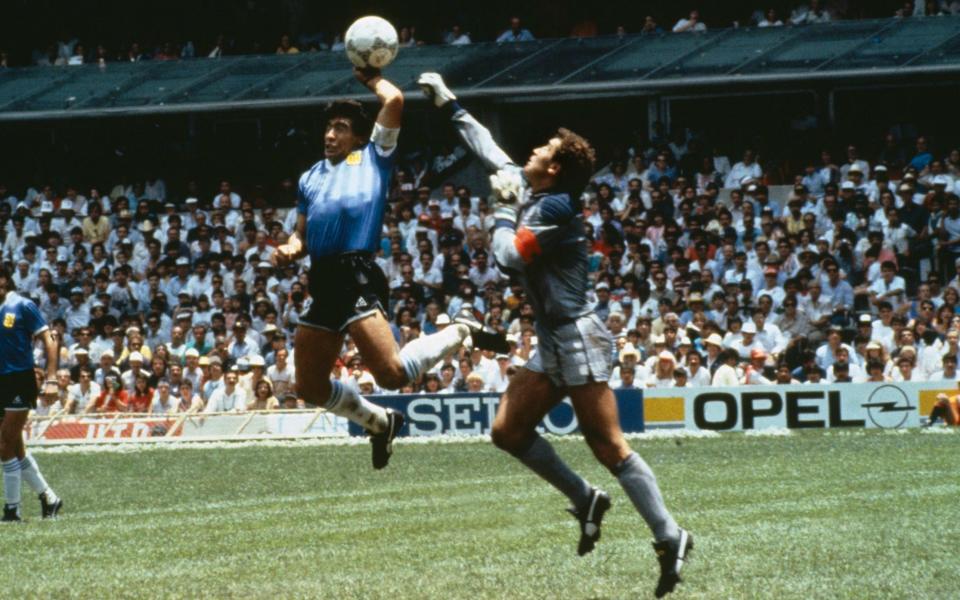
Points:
[129,377]
[213,378]
[180,280]
[629,358]
[753,373]
[748,341]
[854,164]
[24,277]
[191,370]
[66,219]
[713,348]
[248,382]
[498,378]
[661,376]
[79,357]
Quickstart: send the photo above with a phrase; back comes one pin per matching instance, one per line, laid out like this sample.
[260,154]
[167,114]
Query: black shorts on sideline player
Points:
[344,289]
[18,391]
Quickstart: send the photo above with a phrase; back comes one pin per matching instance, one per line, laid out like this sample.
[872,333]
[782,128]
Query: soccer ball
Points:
[371,42]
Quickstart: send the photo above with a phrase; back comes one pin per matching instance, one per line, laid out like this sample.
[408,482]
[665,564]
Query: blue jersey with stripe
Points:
[344,203]
[20,321]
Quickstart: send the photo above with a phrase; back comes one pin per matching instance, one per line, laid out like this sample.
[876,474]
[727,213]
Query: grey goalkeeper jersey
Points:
[546,249]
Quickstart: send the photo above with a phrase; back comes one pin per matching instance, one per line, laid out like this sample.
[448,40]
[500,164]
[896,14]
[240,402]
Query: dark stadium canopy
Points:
[888,49]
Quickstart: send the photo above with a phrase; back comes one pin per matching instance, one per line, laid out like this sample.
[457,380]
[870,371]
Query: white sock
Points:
[423,353]
[11,482]
[346,402]
[31,474]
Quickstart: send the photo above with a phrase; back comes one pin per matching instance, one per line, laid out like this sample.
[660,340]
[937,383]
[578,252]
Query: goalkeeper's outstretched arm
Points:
[474,135]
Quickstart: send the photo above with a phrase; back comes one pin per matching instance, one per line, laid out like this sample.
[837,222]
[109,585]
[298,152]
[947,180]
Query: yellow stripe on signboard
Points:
[662,410]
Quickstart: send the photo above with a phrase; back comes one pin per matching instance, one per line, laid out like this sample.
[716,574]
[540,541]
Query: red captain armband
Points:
[527,245]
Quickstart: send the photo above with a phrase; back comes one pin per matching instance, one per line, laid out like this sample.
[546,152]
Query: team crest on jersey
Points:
[8,320]
[354,158]
[361,304]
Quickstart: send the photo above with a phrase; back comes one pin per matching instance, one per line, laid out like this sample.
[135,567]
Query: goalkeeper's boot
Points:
[590,516]
[383,442]
[480,336]
[671,554]
[48,509]
[11,513]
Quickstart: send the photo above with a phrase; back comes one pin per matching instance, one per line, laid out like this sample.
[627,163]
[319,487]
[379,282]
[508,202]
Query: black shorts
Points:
[18,391]
[344,289]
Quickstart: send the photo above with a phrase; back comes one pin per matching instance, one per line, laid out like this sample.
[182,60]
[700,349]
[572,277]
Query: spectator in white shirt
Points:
[691,23]
[456,36]
[80,394]
[497,378]
[770,20]
[948,372]
[809,15]
[697,374]
[744,170]
[228,398]
[888,288]
[906,369]
[727,374]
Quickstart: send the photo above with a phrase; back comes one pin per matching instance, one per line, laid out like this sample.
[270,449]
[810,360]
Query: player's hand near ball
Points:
[435,89]
[367,76]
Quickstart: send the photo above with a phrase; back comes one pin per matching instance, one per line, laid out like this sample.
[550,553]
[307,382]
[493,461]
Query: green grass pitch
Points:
[815,515]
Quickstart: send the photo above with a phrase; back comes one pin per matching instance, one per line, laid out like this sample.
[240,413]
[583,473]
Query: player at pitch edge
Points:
[539,240]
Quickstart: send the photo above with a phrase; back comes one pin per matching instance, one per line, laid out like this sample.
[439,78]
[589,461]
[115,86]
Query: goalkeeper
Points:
[539,240]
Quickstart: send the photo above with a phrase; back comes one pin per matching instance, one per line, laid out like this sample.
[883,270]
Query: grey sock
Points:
[541,458]
[640,484]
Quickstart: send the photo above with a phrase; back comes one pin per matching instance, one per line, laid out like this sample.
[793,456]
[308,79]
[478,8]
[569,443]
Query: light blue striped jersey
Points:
[20,320]
[344,203]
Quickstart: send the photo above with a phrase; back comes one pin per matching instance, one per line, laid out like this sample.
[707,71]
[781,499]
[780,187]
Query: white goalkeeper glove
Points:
[507,185]
[434,88]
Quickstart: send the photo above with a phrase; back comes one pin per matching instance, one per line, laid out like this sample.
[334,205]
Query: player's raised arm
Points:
[386,130]
[475,136]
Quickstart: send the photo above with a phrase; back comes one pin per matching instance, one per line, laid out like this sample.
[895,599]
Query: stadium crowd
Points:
[167,304]
[75,50]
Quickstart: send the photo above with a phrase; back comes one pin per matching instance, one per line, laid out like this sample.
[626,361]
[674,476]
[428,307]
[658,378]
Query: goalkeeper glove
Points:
[507,186]
[434,88]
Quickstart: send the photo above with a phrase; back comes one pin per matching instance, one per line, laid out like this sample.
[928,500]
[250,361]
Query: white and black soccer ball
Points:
[371,42]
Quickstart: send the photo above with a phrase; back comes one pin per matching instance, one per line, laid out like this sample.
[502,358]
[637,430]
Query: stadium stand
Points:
[895,48]
[788,271]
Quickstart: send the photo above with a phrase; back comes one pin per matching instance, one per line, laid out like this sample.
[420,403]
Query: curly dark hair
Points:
[576,158]
[360,121]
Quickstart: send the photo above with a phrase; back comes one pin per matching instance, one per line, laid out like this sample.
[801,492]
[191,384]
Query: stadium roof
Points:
[842,51]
